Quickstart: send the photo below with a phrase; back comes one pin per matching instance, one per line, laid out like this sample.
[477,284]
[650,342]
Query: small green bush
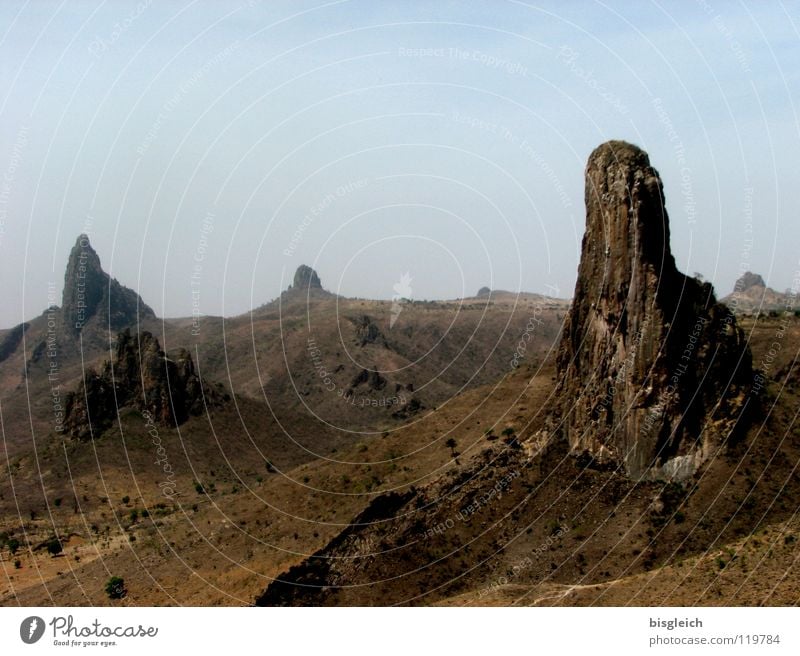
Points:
[115,587]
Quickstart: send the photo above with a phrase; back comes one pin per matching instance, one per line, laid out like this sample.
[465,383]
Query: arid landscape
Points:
[634,444]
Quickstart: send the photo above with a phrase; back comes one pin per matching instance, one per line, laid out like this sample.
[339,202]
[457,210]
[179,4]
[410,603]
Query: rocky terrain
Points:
[140,376]
[635,446]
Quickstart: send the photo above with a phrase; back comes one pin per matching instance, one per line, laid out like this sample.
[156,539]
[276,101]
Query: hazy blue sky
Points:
[370,139]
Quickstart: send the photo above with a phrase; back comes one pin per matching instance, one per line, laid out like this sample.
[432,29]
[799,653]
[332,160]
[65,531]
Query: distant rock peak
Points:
[90,292]
[84,284]
[306,278]
[747,281]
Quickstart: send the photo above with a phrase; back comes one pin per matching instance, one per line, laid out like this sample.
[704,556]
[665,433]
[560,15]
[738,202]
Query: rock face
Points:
[89,292]
[12,339]
[747,281]
[306,278]
[141,376]
[652,369]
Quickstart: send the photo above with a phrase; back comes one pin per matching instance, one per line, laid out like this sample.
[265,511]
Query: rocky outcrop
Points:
[89,293]
[305,278]
[140,376]
[652,369]
[747,281]
[751,295]
[368,331]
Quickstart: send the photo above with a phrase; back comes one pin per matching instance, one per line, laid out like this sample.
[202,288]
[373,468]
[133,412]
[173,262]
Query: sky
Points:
[210,148]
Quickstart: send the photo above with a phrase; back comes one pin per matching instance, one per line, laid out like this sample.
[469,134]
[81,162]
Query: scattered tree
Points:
[54,547]
[115,587]
[451,444]
[126,499]
[13,545]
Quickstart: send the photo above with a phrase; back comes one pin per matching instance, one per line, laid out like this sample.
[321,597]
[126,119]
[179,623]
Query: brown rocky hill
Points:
[574,534]
[369,365]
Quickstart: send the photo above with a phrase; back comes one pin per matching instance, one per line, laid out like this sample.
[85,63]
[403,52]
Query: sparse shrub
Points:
[507,431]
[13,545]
[57,502]
[133,515]
[126,499]
[17,564]
[199,488]
[115,587]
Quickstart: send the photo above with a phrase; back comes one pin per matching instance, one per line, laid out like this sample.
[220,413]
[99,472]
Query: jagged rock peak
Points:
[84,284]
[140,376]
[646,353]
[89,292]
[306,278]
[747,281]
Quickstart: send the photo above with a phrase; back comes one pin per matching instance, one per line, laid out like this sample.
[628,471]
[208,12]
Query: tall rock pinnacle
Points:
[647,355]
[89,292]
